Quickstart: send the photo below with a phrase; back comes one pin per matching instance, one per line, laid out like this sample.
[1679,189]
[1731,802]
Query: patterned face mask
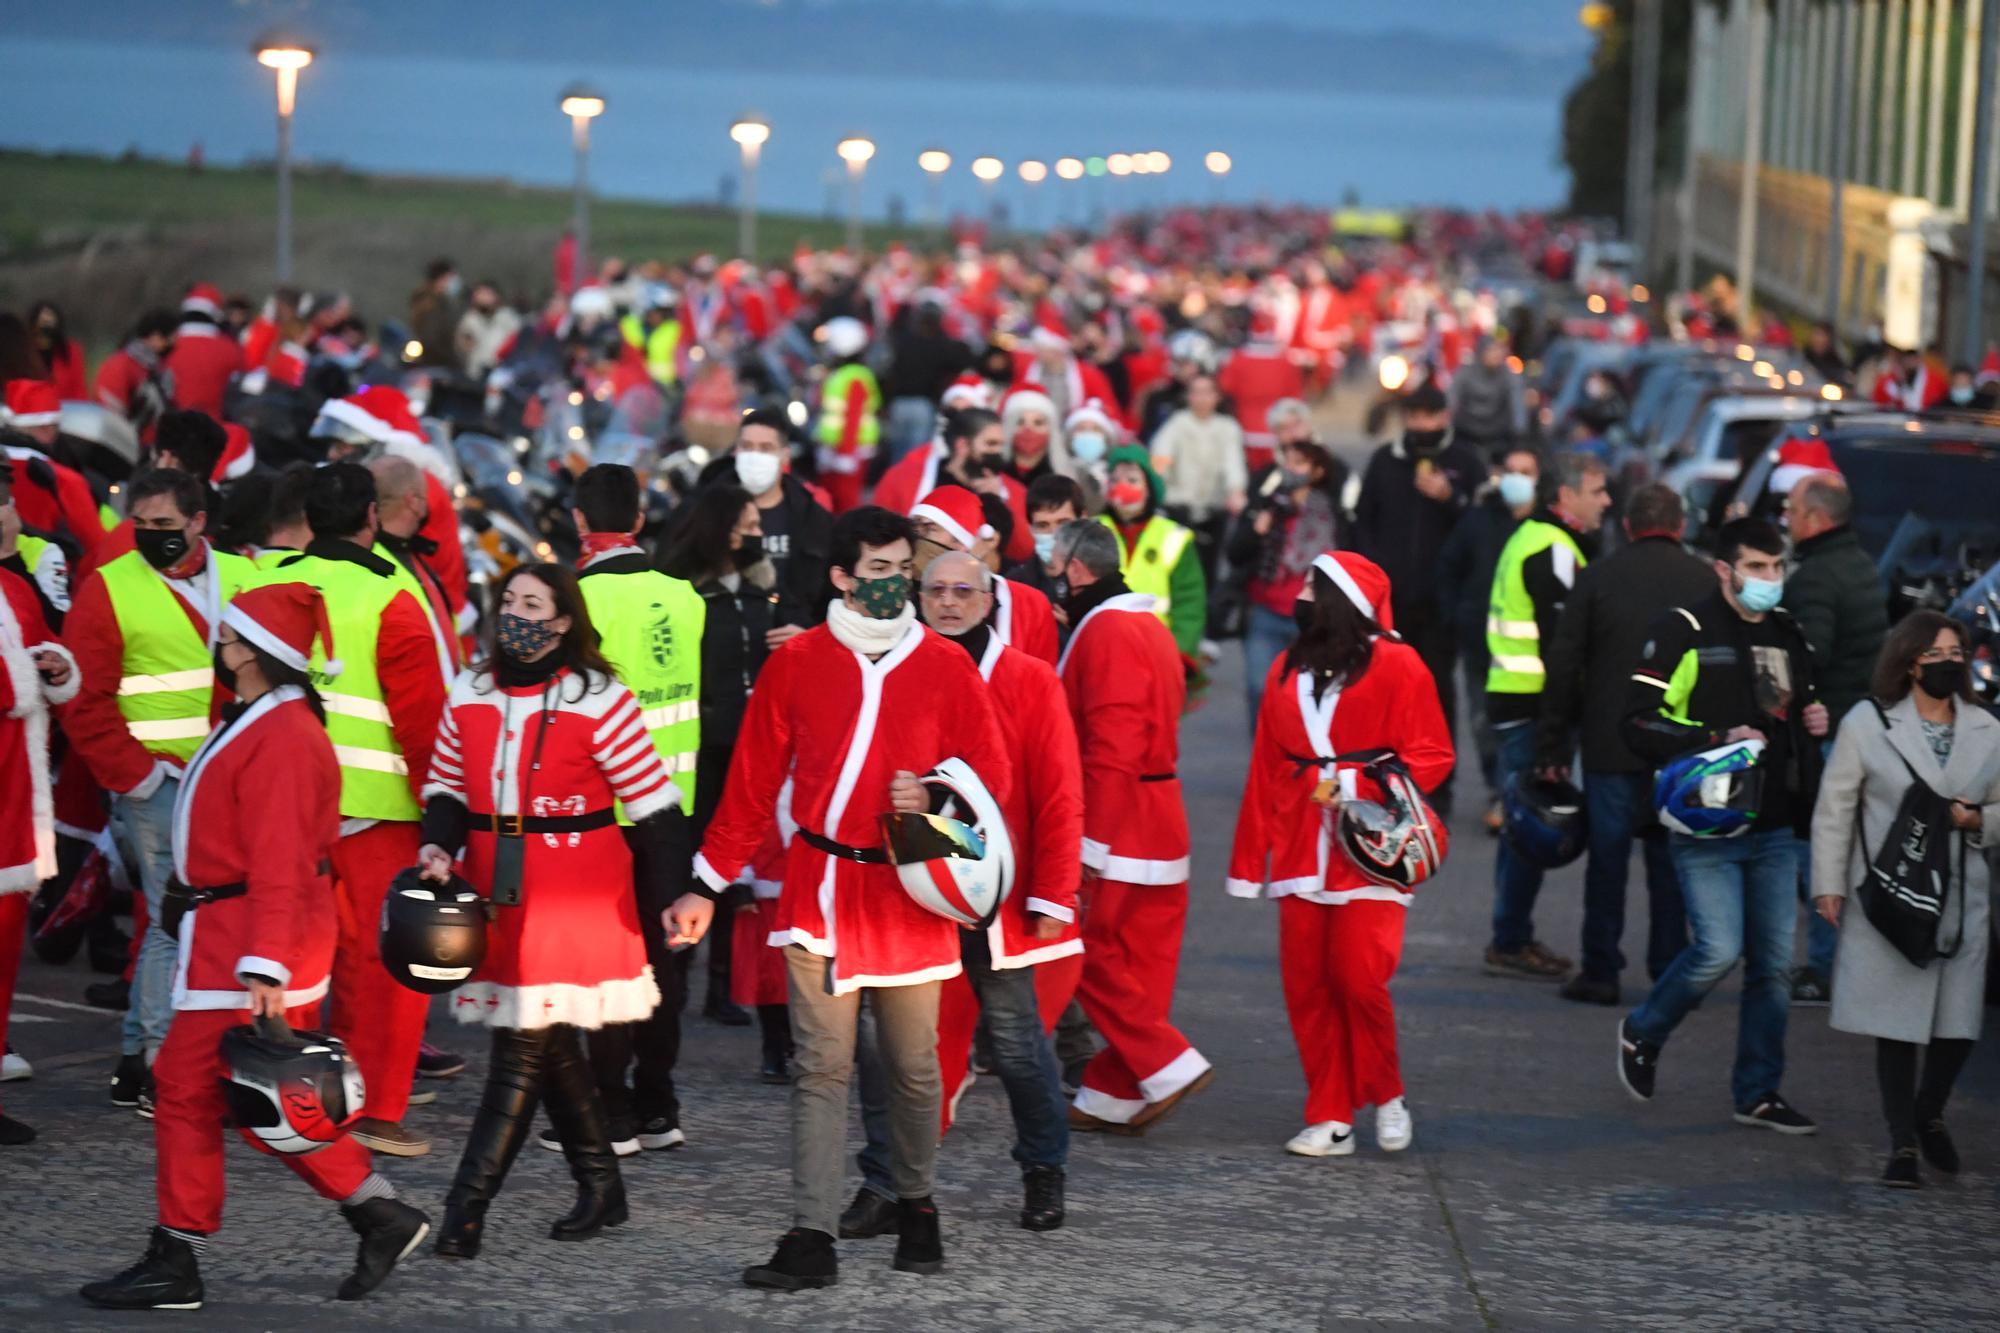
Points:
[883,598]
[521,638]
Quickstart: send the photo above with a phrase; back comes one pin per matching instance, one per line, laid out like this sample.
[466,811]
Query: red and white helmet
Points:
[289,1092]
[958,860]
[1398,841]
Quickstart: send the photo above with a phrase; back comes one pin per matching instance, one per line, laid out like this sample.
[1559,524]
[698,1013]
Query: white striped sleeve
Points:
[447,775]
[629,763]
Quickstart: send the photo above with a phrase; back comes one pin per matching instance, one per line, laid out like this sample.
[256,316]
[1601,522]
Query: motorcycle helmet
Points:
[843,336]
[1714,793]
[433,936]
[956,861]
[1397,841]
[290,1093]
[1544,820]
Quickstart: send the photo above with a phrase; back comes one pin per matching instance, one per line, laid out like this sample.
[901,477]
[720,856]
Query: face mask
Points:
[757,472]
[1760,595]
[1030,441]
[1045,546]
[1941,680]
[1422,441]
[453,286]
[749,553]
[883,598]
[225,675]
[1061,586]
[1516,489]
[162,548]
[1302,615]
[521,638]
[1087,446]
[1291,478]
[1126,494]
[1961,396]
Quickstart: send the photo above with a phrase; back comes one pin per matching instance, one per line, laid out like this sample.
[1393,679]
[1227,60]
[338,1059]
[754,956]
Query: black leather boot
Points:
[577,1112]
[1042,1202]
[168,1278]
[506,1112]
[919,1244]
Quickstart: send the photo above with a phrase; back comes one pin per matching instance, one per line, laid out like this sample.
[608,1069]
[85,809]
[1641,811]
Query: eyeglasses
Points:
[960,592]
[1941,655]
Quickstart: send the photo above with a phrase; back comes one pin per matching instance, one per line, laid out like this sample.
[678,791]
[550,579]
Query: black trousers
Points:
[1430,631]
[1907,1101]
[649,1048]
[711,770]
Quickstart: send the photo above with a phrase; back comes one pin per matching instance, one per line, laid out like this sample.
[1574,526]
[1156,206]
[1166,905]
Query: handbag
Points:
[1907,880]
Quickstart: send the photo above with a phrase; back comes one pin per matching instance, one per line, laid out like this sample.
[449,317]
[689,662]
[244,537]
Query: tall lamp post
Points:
[582,105]
[286,55]
[750,133]
[988,170]
[855,151]
[1069,169]
[1158,164]
[935,162]
[1034,172]
[1218,164]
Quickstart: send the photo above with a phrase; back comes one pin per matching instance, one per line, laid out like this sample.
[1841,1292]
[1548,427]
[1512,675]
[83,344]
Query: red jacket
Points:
[841,726]
[1045,810]
[121,384]
[1123,677]
[921,471]
[260,806]
[1023,618]
[441,526]
[66,372]
[27,803]
[203,362]
[1283,839]
[1256,377]
[62,504]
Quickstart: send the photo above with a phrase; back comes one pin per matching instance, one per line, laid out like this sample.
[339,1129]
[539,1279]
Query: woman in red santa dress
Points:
[254,828]
[1347,686]
[535,750]
[36,673]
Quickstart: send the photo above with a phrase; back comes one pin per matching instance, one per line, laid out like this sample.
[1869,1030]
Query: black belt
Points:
[867,856]
[1158,777]
[178,900]
[515,826]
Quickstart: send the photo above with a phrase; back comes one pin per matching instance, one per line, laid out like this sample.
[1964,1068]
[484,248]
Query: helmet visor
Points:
[915,838]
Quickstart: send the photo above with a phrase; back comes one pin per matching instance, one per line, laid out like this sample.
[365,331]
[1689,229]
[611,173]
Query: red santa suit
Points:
[1021,615]
[842,725]
[570,951]
[1045,821]
[1081,383]
[1921,392]
[1123,678]
[756,969]
[1340,934]
[1258,375]
[203,361]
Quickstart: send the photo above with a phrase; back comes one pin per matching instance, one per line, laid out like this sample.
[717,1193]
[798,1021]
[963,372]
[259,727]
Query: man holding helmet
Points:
[853,711]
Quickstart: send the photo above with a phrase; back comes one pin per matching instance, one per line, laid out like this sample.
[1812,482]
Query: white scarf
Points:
[865,634]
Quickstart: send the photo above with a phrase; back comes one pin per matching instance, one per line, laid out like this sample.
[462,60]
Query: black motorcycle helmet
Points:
[433,935]
[1544,820]
[290,1093]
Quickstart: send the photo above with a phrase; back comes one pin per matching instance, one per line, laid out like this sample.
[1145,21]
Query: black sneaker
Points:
[869,1215]
[127,1079]
[1938,1148]
[168,1278]
[774,1070]
[721,1009]
[1810,989]
[145,1105]
[919,1240]
[1042,1201]
[1902,1173]
[115,994]
[436,1062]
[1773,1112]
[661,1133]
[14,1134]
[624,1138]
[1589,990]
[805,1260]
[1638,1062]
[389,1230]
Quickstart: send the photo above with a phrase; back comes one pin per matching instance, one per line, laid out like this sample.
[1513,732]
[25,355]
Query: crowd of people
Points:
[886,714]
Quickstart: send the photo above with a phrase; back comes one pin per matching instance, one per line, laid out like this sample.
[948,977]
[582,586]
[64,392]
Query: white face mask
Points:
[757,472]
[1516,489]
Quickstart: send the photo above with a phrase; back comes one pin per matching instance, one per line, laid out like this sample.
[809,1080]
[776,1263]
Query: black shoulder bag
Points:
[1907,880]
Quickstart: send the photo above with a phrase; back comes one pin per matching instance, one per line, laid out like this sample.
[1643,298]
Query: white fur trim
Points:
[60,694]
[1043,907]
[31,706]
[526,1008]
[252,965]
[1117,1110]
[1027,400]
[1180,1071]
[1138,602]
[1047,953]
[938,516]
[252,629]
[1344,581]
[709,875]
[25,420]
[1133,869]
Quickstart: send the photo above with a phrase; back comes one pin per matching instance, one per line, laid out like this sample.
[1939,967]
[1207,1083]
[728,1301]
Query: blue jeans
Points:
[1515,883]
[1266,635]
[1740,900]
[912,421]
[1615,806]
[1022,1055]
[147,830]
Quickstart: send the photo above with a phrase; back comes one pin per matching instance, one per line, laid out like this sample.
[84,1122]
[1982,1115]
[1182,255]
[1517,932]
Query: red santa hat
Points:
[32,403]
[1092,416]
[958,512]
[1363,582]
[968,390]
[379,412]
[282,619]
[1798,459]
[239,454]
[203,299]
[1989,367]
[1026,398]
[1049,331]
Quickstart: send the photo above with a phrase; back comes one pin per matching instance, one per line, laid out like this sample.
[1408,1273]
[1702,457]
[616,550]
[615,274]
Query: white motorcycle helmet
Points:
[958,861]
[843,336]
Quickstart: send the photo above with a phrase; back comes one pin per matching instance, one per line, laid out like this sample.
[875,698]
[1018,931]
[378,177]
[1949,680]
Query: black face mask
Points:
[749,553]
[1423,441]
[1302,614]
[1941,680]
[162,548]
[225,675]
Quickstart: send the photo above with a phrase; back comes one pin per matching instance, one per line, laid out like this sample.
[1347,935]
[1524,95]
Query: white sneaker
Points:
[1393,1130]
[1329,1138]
[13,1067]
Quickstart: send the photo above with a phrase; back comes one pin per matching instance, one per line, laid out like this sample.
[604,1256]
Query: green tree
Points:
[1597,111]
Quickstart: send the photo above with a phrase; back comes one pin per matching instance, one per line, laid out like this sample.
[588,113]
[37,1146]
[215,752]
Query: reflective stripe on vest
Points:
[374,775]
[1512,637]
[651,626]
[1149,566]
[169,670]
[832,422]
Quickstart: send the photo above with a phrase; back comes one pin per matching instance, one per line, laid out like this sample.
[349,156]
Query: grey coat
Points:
[1876,991]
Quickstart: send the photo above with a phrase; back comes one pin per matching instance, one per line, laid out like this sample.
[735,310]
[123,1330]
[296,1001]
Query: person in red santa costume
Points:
[256,820]
[205,357]
[36,673]
[53,497]
[1258,374]
[853,711]
[1126,687]
[1346,686]
[1051,365]
[970,451]
[951,518]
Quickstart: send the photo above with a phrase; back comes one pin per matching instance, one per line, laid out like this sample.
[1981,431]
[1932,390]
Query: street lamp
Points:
[1034,172]
[1218,165]
[1069,169]
[855,151]
[988,170]
[287,55]
[582,105]
[935,162]
[750,132]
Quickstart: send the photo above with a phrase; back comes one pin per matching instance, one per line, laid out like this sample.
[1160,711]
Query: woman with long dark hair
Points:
[536,747]
[1922,725]
[20,358]
[1348,686]
[62,353]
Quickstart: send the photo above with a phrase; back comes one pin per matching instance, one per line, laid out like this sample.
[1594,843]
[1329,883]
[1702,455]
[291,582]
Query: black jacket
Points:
[733,650]
[802,566]
[1836,595]
[1402,530]
[1466,564]
[1603,628]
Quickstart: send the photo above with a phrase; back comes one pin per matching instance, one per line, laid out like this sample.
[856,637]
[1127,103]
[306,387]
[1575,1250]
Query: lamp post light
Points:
[988,170]
[582,105]
[287,56]
[1069,169]
[750,132]
[1218,164]
[1033,172]
[935,162]
[855,151]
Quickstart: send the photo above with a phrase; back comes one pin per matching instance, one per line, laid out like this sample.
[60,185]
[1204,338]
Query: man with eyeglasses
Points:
[952,518]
